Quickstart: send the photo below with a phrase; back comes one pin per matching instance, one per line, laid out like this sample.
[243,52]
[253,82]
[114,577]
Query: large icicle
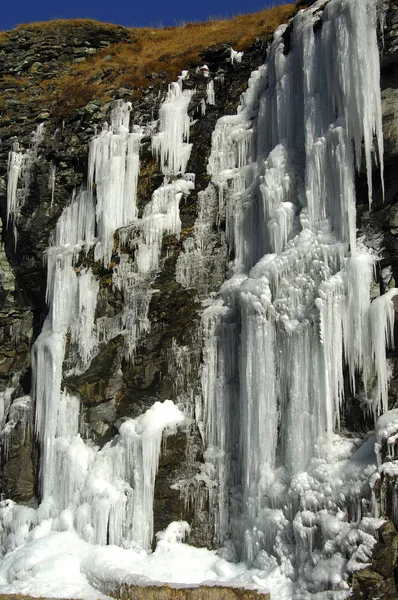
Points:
[66,296]
[114,167]
[104,495]
[298,300]
[19,168]
[171,143]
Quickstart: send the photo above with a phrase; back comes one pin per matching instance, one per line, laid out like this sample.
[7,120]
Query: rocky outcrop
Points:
[379,580]
[17,449]
[201,592]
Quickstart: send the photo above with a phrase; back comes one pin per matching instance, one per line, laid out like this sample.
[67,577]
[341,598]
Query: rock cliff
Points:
[51,116]
[54,131]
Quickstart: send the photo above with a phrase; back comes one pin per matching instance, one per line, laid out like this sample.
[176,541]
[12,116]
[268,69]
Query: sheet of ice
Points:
[201,265]
[19,168]
[296,310]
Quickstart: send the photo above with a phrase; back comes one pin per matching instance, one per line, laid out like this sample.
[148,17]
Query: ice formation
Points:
[236,56]
[114,167]
[296,309]
[171,143]
[161,216]
[20,164]
[104,495]
[287,494]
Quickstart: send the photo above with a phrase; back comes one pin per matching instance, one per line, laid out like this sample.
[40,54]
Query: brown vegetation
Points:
[150,55]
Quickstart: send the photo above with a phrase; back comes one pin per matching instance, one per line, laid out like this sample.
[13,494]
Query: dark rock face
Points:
[44,51]
[379,579]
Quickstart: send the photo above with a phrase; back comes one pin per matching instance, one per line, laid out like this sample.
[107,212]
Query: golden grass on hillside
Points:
[149,51]
[66,23]
[163,51]
[61,24]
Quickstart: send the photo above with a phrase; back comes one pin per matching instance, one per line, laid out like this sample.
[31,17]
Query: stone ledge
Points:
[165,592]
[202,592]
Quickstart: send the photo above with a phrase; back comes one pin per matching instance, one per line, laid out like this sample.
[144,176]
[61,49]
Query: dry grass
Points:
[66,23]
[61,24]
[149,51]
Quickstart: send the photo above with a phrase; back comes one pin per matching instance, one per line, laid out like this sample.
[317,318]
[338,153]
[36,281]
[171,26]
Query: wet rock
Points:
[216,55]
[390,121]
[378,580]
[20,465]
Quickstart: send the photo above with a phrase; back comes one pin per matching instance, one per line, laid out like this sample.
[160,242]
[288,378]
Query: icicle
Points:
[67,293]
[171,143]
[51,181]
[382,313]
[236,56]
[12,413]
[210,94]
[114,167]
[82,328]
[299,295]
[19,169]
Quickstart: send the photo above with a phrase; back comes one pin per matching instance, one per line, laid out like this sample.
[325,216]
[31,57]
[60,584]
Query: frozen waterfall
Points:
[296,309]
[105,495]
[291,324]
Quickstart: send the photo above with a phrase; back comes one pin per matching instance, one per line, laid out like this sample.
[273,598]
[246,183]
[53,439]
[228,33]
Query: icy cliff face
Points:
[295,328]
[296,309]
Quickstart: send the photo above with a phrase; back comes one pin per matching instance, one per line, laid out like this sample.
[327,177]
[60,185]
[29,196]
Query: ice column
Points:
[19,170]
[170,144]
[68,293]
[114,167]
[298,295]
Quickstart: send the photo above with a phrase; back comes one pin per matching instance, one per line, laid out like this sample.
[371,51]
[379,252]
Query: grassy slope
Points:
[148,52]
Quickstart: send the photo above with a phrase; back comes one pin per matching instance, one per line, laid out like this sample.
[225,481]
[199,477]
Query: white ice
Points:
[296,310]
[286,491]
[19,169]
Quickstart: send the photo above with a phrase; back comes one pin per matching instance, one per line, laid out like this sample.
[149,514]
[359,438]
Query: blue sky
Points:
[127,12]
